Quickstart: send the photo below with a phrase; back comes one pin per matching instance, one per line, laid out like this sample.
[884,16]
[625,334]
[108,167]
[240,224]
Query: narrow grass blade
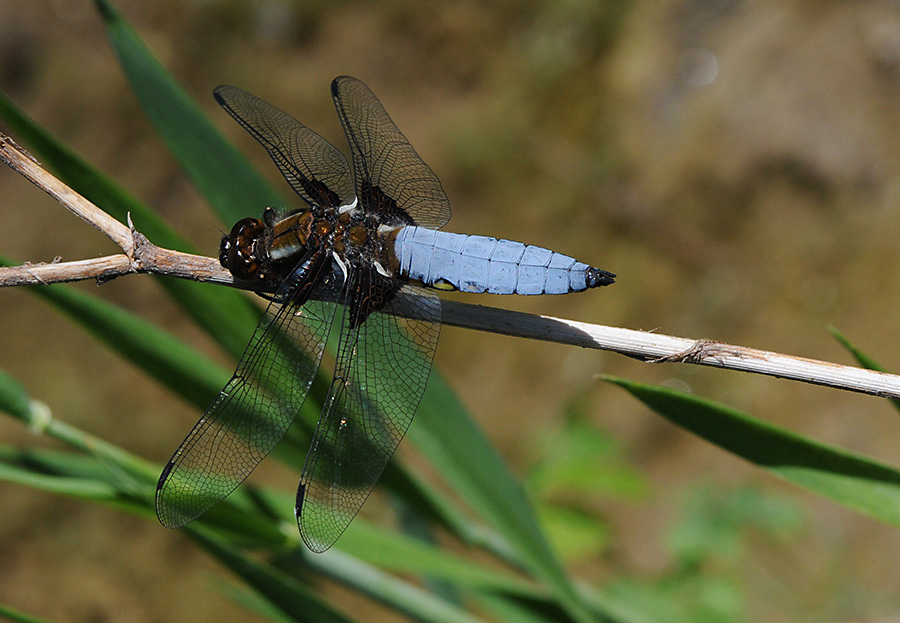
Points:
[856,482]
[14,398]
[17,616]
[863,359]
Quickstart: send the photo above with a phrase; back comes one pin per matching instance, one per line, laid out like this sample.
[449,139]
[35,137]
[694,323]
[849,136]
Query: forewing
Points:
[251,414]
[391,178]
[380,375]
[315,168]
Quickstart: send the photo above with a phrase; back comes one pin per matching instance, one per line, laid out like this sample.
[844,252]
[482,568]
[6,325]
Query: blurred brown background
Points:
[736,163]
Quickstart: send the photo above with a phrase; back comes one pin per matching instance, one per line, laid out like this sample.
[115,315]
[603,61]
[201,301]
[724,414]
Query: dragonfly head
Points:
[238,251]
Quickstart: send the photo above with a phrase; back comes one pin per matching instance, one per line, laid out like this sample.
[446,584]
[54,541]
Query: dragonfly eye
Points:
[237,250]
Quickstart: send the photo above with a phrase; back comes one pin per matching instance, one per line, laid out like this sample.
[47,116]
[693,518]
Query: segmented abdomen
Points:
[484,264]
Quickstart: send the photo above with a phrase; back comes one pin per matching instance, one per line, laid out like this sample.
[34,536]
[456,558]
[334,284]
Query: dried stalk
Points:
[141,256]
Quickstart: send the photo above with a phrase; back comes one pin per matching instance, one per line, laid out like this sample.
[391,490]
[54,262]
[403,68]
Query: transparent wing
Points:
[251,414]
[380,375]
[315,168]
[391,178]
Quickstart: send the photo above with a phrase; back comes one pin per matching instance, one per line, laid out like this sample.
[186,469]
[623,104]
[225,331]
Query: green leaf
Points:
[20,617]
[856,482]
[14,398]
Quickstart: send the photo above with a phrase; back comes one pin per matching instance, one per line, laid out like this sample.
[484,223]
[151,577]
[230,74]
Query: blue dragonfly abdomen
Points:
[478,264]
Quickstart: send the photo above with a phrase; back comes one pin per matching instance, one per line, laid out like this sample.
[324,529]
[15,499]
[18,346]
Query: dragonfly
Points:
[363,259]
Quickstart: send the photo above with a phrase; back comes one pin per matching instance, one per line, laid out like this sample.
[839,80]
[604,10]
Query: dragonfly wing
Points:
[391,178]
[251,414]
[380,375]
[315,169]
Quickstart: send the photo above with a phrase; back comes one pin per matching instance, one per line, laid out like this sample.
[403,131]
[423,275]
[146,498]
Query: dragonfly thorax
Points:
[265,251]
